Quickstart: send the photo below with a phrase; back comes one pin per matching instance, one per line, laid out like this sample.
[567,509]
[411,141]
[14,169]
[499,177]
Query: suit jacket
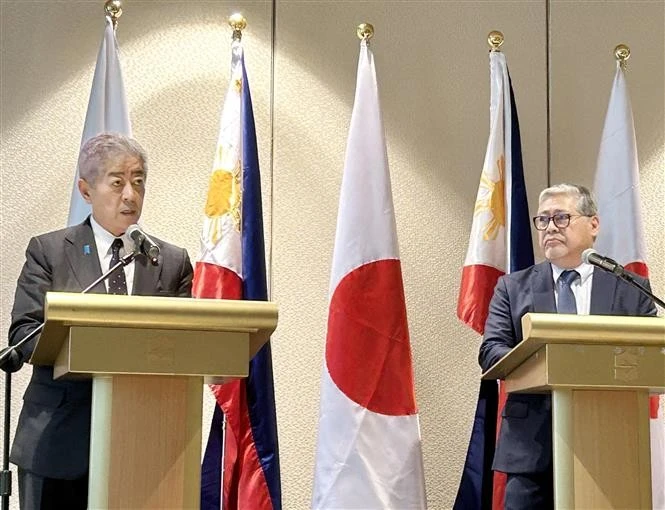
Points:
[53,433]
[525,438]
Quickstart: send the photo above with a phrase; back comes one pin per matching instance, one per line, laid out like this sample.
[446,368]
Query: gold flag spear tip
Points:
[238,23]
[365,32]
[495,40]
[113,8]
[622,54]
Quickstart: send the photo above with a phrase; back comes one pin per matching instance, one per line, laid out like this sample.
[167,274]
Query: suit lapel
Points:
[81,252]
[146,276]
[542,287]
[603,288]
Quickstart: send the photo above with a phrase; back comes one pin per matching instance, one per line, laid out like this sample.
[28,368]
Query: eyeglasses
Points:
[561,220]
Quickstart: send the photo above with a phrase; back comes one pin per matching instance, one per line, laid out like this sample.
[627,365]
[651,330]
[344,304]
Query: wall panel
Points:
[433,74]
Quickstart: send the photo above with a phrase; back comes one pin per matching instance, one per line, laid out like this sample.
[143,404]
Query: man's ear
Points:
[595,226]
[84,189]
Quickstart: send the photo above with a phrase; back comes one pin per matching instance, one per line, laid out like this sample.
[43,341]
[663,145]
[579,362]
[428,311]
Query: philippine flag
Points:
[500,242]
[232,266]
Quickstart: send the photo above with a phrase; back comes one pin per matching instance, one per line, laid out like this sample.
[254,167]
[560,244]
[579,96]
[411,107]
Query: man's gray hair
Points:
[586,204]
[108,148]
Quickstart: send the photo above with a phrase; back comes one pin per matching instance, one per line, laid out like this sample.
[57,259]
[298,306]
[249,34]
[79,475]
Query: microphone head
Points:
[144,244]
[586,254]
[134,232]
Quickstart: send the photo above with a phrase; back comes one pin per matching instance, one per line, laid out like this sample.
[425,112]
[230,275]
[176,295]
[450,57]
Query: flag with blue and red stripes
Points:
[500,242]
[232,266]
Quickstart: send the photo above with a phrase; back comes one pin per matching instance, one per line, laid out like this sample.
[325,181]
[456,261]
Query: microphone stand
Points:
[627,277]
[6,474]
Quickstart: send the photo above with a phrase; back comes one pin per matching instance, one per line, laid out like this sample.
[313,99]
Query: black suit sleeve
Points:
[186,276]
[28,313]
[499,336]
[647,306]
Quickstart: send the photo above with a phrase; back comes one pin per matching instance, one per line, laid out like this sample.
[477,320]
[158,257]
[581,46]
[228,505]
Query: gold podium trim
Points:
[66,312]
[596,331]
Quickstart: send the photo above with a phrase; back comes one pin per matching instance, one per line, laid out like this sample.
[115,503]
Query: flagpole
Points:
[365,32]
[636,261]
[495,40]
[622,54]
[238,23]
[221,482]
[113,9]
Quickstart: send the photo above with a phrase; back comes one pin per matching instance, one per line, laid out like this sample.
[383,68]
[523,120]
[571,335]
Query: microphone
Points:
[144,244]
[591,256]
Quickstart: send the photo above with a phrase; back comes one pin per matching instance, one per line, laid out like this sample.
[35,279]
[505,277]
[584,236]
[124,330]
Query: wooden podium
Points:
[149,358]
[600,371]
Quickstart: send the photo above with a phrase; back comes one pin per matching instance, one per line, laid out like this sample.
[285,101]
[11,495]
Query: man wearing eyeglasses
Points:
[567,224]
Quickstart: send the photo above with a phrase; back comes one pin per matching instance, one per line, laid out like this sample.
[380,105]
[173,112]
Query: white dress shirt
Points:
[104,239]
[581,287]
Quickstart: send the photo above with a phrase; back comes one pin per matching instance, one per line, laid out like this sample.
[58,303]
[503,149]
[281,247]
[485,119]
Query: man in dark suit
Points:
[51,445]
[567,224]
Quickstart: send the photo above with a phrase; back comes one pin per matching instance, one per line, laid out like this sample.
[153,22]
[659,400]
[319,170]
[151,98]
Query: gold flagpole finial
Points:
[622,54]
[365,32]
[113,9]
[495,40]
[238,23]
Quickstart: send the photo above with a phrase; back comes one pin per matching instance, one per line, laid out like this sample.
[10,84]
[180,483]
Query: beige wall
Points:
[432,67]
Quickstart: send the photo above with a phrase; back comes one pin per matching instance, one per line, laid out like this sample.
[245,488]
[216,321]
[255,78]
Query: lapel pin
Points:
[86,249]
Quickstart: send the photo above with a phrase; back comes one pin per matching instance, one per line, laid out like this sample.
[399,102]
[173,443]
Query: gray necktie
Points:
[567,303]
[117,281]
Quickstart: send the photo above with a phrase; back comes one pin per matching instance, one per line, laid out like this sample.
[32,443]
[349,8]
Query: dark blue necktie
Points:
[117,281]
[567,303]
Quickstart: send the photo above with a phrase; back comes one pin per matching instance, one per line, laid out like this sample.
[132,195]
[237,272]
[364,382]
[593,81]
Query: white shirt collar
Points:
[104,238]
[585,271]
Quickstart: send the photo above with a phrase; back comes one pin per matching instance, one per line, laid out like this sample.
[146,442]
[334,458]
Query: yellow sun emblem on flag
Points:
[224,197]
[493,201]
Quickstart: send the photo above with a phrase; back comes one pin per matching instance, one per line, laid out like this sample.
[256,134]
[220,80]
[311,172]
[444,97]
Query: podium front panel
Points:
[92,350]
[607,367]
